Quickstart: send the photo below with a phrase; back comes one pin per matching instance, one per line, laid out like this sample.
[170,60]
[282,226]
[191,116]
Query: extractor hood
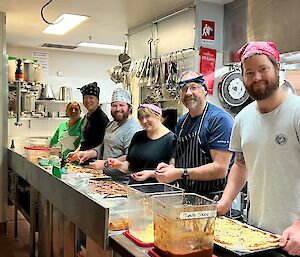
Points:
[257,20]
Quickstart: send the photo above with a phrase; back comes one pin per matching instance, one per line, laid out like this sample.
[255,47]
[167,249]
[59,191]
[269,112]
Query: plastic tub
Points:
[42,142]
[33,153]
[118,212]
[140,214]
[184,225]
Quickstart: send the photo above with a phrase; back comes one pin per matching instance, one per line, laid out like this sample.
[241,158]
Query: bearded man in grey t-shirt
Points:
[118,133]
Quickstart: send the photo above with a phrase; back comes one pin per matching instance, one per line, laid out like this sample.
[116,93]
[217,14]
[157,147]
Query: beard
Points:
[120,115]
[262,93]
[191,102]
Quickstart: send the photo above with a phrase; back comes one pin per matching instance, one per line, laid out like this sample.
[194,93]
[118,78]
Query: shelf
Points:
[52,101]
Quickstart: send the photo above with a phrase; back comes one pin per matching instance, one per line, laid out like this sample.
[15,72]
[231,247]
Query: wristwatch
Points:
[185,174]
[105,164]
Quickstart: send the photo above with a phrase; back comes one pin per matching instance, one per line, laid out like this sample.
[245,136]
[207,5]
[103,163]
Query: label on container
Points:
[197,215]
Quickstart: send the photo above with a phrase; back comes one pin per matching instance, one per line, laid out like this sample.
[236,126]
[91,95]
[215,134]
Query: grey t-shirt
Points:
[117,138]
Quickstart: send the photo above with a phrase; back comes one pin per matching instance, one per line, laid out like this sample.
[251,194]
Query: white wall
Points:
[77,70]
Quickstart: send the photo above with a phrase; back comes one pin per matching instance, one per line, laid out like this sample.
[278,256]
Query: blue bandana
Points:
[199,80]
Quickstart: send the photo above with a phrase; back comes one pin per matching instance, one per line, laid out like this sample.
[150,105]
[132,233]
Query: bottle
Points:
[19,73]
[12,146]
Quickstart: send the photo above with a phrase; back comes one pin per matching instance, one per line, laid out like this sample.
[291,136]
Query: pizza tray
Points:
[86,169]
[239,250]
[244,253]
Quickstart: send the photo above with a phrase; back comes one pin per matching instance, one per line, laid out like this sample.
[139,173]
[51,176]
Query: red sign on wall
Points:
[208,30]
[207,66]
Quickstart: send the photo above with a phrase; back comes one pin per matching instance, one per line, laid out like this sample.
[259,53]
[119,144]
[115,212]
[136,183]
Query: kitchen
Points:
[65,69]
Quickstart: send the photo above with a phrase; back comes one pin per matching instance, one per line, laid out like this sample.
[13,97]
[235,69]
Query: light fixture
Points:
[102,46]
[64,23]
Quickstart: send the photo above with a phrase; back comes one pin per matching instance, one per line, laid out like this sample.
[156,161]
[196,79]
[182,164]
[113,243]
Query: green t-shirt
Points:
[68,138]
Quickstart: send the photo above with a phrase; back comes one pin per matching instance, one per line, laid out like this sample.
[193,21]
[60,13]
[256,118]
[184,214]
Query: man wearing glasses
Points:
[201,157]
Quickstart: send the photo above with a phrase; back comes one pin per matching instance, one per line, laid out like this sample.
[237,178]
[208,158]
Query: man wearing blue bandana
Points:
[201,157]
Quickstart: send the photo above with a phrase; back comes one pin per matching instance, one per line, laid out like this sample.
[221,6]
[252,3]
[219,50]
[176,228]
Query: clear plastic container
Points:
[184,225]
[33,153]
[140,213]
[118,212]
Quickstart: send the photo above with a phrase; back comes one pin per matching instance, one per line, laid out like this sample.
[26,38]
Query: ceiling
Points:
[108,23]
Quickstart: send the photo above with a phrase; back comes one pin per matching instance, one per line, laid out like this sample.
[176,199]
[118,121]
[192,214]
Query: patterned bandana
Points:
[258,47]
[90,89]
[152,107]
[200,80]
[121,95]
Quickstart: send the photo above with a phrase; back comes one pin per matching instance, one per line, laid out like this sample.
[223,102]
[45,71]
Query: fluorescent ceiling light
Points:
[64,23]
[102,46]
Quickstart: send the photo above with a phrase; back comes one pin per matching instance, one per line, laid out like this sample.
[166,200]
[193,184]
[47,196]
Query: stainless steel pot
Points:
[32,71]
[27,102]
[65,93]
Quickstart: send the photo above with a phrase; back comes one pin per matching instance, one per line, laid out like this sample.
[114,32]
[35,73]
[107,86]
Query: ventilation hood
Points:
[267,20]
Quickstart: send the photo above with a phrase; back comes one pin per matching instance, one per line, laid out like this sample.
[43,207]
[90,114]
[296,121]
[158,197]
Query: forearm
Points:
[93,153]
[217,169]
[236,181]
[208,172]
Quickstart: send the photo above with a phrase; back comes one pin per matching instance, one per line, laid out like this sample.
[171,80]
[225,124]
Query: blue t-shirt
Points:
[215,131]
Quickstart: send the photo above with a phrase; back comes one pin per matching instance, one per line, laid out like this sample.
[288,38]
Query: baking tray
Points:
[243,252]
[85,169]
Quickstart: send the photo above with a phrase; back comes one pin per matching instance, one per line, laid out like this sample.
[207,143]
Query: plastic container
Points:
[118,212]
[43,161]
[41,142]
[33,152]
[184,225]
[140,214]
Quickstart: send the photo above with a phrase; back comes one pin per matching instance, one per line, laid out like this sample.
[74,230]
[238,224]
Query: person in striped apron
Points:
[201,156]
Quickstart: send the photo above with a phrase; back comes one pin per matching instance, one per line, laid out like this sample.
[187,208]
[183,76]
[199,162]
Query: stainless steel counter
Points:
[64,201]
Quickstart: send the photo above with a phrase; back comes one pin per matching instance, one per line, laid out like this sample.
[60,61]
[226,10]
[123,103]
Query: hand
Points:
[161,165]
[85,155]
[223,206]
[114,163]
[290,239]
[143,175]
[71,157]
[97,165]
[167,173]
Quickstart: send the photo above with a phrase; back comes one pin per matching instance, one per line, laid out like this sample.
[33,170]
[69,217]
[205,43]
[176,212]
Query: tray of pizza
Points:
[107,188]
[96,174]
[241,238]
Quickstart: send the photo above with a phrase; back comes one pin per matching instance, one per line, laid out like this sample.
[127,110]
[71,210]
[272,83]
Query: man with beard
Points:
[118,133]
[266,140]
[201,157]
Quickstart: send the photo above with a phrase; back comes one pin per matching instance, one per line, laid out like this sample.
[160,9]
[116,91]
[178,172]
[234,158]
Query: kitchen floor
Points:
[9,247]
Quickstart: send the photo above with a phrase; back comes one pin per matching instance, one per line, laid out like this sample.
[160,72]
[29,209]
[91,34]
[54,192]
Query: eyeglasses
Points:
[193,88]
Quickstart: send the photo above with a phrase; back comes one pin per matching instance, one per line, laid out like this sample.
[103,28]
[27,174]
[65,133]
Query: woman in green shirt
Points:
[68,133]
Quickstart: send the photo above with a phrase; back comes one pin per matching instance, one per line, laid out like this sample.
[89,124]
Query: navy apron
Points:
[189,153]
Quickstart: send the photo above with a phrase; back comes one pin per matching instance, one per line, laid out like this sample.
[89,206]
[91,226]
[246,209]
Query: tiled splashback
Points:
[42,127]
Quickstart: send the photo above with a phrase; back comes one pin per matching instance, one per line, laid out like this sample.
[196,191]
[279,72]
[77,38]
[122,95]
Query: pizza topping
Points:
[95,173]
[108,188]
[237,236]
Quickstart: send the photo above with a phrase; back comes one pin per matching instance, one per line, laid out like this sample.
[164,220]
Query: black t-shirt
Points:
[145,153]
[93,132]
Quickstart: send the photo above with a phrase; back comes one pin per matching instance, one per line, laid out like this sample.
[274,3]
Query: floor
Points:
[9,247]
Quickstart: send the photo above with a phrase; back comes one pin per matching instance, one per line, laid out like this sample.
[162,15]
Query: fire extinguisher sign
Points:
[208,31]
